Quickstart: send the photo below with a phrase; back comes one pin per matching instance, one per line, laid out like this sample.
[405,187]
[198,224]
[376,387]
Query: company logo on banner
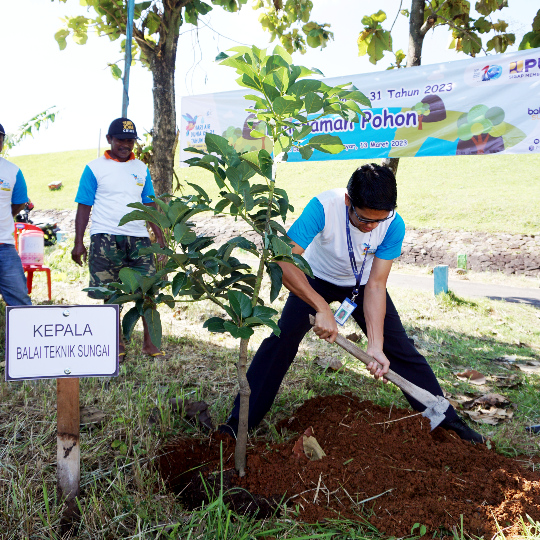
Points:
[477,106]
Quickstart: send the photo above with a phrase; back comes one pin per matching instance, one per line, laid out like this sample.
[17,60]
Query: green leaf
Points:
[221,205]
[301,263]
[303,87]
[242,332]
[128,276]
[124,298]
[200,191]
[156,249]
[183,234]
[329,144]
[313,103]
[129,321]
[280,248]
[287,105]
[221,56]
[153,321]
[234,198]
[280,51]
[215,324]
[306,152]
[275,273]
[145,282]
[240,304]
[263,312]
[179,280]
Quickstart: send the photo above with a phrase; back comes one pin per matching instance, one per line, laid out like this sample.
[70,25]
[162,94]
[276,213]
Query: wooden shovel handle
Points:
[423,396]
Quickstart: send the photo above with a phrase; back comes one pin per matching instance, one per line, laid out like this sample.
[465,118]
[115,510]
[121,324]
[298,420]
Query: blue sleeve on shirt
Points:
[308,225]
[390,247]
[86,194]
[148,189]
[19,195]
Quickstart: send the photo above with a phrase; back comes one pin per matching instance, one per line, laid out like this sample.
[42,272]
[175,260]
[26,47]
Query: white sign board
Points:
[45,342]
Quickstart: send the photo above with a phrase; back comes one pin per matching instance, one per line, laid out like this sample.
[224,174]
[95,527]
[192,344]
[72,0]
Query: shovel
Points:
[435,405]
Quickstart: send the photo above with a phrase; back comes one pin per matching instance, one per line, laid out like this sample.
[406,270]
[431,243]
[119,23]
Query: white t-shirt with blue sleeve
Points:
[12,191]
[109,186]
[321,231]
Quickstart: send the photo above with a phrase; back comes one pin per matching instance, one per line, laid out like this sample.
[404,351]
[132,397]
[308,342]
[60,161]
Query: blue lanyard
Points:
[358,276]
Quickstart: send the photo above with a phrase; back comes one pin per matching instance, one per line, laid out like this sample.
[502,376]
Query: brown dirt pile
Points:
[425,477]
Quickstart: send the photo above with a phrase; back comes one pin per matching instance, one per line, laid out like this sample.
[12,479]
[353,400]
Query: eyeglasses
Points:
[363,220]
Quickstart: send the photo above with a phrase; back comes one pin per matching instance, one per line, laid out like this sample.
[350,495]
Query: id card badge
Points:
[344,311]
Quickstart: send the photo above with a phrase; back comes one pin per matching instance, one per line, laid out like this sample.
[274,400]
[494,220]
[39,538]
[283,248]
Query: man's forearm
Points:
[81,222]
[16,208]
[374,312]
[295,280]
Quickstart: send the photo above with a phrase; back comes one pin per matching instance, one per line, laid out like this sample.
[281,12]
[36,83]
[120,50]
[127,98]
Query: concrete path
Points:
[466,288]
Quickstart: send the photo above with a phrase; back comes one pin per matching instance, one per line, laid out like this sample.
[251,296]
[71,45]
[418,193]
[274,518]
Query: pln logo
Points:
[490,73]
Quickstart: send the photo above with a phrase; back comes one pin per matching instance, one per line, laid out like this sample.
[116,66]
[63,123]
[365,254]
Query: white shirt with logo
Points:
[109,186]
[12,191]
[322,232]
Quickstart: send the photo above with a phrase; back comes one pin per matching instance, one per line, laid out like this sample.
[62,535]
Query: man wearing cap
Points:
[108,184]
[349,237]
[13,196]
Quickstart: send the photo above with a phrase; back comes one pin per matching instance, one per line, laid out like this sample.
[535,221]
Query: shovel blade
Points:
[435,413]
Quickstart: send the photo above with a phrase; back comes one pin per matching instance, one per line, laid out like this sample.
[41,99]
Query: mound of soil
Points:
[381,465]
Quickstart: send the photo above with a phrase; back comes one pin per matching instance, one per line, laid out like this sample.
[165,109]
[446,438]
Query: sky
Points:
[37,75]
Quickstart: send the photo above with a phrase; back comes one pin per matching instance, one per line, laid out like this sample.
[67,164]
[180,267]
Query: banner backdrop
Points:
[476,106]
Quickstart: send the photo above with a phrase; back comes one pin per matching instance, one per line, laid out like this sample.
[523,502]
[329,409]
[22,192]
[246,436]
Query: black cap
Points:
[122,128]
[2,132]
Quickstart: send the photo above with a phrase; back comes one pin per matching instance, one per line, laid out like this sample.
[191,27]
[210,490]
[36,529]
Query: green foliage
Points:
[29,128]
[279,20]
[400,58]
[466,31]
[531,40]
[374,40]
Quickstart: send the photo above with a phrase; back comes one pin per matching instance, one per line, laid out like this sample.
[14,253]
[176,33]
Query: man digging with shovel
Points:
[350,238]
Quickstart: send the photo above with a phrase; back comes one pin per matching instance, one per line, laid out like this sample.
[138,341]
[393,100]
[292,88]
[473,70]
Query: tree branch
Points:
[464,30]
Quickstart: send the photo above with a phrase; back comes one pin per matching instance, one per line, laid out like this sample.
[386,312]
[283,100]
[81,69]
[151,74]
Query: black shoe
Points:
[463,430]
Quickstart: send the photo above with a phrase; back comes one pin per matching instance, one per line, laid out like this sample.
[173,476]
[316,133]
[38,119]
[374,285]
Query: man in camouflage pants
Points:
[108,184]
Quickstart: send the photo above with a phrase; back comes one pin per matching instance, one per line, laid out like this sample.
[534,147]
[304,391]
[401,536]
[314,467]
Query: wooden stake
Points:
[68,449]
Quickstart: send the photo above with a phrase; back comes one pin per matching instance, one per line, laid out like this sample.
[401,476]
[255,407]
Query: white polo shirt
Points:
[12,191]
[109,186]
[321,231]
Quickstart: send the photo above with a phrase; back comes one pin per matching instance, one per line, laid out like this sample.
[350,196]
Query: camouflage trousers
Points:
[109,253]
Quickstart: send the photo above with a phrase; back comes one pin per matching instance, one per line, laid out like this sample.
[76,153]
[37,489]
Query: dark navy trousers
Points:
[276,354]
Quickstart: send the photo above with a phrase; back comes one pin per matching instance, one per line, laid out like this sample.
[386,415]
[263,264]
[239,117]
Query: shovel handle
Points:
[423,396]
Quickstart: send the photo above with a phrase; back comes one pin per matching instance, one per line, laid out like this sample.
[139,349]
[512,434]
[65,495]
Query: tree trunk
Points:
[414,56]
[164,130]
[245,391]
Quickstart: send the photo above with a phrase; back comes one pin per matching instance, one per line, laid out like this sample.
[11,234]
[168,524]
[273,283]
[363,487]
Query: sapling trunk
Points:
[244,391]
[240,450]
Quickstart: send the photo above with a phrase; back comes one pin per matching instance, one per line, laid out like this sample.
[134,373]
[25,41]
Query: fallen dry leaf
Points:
[329,362]
[491,399]
[491,416]
[527,368]
[307,446]
[312,449]
[472,376]
[91,415]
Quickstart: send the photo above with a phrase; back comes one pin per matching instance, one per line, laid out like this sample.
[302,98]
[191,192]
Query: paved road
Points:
[466,288]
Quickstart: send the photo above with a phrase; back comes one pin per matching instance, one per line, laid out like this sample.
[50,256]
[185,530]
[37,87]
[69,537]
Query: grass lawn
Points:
[471,193]
[121,494]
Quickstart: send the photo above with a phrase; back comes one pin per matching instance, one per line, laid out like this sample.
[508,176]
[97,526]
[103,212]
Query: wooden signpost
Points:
[64,343]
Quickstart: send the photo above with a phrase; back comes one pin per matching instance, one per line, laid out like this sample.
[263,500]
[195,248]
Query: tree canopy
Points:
[470,35]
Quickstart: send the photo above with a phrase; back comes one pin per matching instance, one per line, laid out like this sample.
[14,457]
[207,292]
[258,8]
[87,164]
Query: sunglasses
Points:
[364,220]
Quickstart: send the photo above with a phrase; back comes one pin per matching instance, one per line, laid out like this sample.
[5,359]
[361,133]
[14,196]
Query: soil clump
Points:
[382,466]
